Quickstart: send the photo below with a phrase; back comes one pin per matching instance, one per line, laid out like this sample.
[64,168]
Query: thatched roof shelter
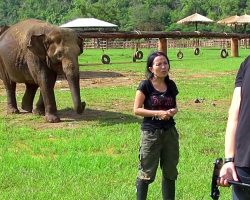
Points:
[90,24]
[236,20]
[195,19]
[244,19]
[229,20]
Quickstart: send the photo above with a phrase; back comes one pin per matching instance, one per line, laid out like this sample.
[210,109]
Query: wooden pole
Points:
[234,47]
[159,34]
[162,45]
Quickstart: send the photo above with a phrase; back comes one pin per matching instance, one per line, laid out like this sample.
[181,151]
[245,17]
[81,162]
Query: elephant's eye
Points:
[59,55]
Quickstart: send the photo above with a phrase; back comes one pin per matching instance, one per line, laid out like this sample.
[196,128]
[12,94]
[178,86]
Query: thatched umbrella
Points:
[195,19]
[236,20]
[230,21]
[244,20]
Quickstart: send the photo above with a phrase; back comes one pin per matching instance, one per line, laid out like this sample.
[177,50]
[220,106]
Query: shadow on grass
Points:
[103,116]
[95,74]
[112,63]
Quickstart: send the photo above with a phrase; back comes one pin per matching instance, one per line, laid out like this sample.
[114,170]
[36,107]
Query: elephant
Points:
[35,52]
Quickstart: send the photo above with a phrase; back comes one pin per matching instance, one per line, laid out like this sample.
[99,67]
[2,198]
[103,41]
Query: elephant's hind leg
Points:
[40,108]
[10,87]
[27,101]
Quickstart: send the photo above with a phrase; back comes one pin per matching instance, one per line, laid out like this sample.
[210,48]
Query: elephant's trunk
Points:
[71,71]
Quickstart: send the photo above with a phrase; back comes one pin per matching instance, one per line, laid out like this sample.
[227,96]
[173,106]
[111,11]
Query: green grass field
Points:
[95,156]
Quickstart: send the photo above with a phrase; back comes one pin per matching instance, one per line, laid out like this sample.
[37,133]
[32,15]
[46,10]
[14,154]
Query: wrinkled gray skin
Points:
[35,52]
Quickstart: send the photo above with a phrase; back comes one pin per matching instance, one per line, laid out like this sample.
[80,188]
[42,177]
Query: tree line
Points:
[143,15]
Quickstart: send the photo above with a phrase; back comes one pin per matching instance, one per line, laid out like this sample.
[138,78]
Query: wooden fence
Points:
[153,43]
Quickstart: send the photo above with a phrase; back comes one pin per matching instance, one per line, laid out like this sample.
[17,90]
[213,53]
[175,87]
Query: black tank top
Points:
[155,100]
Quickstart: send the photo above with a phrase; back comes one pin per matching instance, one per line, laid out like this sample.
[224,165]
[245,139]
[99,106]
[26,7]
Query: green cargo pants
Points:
[161,145]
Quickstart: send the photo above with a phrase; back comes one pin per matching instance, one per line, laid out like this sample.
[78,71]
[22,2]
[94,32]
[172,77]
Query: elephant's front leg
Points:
[27,101]
[10,87]
[47,84]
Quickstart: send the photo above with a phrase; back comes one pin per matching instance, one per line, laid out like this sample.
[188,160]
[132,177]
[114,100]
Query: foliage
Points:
[146,15]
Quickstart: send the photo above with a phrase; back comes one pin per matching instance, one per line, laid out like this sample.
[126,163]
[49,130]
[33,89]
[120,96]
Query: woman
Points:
[155,100]
[237,149]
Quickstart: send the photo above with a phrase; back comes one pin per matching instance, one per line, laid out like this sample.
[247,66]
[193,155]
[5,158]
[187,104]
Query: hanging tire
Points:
[139,55]
[105,59]
[196,51]
[223,53]
[179,55]
[134,58]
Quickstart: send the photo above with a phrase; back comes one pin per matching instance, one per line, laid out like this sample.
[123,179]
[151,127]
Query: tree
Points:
[151,15]
[9,11]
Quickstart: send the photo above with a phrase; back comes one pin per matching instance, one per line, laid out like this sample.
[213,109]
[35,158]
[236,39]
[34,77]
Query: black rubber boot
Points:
[141,189]
[168,189]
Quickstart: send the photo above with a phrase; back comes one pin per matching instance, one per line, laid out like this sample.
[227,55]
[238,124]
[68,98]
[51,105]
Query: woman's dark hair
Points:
[150,61]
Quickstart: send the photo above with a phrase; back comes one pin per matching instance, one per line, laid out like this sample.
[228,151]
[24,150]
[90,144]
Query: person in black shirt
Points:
[155,100]
[237,139]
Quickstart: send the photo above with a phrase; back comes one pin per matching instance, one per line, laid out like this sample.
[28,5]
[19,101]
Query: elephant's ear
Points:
[36,45]
[80,44]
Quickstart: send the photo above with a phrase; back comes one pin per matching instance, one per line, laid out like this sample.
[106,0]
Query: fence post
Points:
[234,47]
[162,45]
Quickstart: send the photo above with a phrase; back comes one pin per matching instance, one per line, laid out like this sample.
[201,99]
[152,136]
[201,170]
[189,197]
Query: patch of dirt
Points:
[210,75]
[105,114]
[182,74]
[88,79]
[201,103]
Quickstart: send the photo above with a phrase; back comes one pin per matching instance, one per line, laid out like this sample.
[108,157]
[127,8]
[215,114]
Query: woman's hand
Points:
[227,172]
[166,114]
[173,111]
